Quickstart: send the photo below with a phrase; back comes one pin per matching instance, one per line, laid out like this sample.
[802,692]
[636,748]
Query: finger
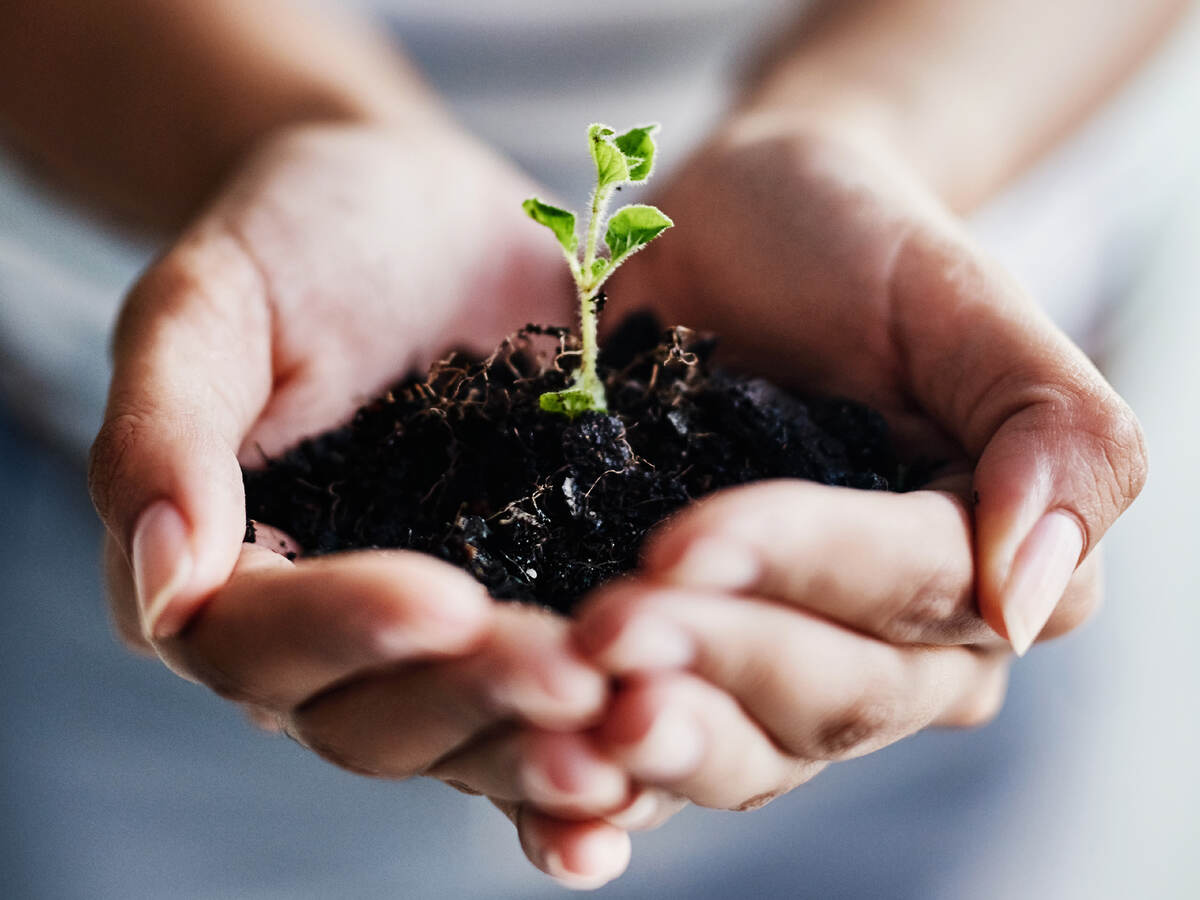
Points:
[122,599]
[560,773]
[676,731]
[263,718]
[1082,600]
[579,855]
[1059,454]
[279,631]
[897,566]
[820,691]
[192,371]
[397,724]
[647,809]
[122,602]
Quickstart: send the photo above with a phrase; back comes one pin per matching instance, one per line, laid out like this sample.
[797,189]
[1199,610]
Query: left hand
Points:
[304,286]
[776,627]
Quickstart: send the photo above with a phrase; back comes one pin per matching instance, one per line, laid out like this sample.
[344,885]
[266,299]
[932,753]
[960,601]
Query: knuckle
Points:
[755,674]
[802,772]
[758,801]
[331,750]
[936,612]
[223,684]
[1122,446]
[1108,448]
[196,658]
[462,787]
[850,730]
[161,291]
[209,281]
[321,726]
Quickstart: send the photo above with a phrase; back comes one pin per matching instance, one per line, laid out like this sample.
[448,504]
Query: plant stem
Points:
[599,205]
[588,379]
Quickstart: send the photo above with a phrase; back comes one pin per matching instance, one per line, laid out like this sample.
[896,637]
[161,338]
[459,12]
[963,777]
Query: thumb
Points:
[192,371]
[1058,455]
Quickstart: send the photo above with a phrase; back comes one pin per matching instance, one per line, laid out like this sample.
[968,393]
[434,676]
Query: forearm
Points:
[144,105]
[968,91]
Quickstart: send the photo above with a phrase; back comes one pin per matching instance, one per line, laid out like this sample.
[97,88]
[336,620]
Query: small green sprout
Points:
[620,159]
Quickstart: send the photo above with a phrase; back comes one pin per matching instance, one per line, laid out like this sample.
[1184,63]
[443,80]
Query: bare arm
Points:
[144,106]
[968,91]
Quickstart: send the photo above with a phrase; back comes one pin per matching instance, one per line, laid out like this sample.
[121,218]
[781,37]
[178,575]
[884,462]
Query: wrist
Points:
[246,138]
[940,139]
[837,138]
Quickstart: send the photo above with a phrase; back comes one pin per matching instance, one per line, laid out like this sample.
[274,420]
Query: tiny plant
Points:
[620,159]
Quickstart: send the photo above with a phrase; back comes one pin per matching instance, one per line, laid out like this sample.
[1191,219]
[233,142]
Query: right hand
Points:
[338,259]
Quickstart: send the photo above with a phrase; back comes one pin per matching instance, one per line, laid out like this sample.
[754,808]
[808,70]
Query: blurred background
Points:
[119,780]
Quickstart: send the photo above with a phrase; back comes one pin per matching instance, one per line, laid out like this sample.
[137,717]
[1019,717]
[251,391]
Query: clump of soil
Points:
[463,464]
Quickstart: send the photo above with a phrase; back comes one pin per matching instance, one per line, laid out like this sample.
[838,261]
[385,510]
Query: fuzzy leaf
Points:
[633,227]
[570,403]
[637,144]
[599,267]
[611,166]
[560,221]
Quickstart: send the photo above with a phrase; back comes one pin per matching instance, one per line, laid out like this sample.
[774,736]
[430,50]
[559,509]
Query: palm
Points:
[371,267]
[785,249]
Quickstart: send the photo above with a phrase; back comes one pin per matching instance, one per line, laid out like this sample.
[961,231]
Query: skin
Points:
[836,182]
[776,654]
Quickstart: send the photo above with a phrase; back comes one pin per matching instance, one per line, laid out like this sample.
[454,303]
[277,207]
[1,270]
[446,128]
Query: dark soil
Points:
[463,464]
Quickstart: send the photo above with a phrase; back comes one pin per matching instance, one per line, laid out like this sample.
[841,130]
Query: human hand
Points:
[794,624]
[335,262]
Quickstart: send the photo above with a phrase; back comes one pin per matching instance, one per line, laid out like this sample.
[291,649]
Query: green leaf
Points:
[637,144]
[570,403]
[611,166]
[560,221]
[599,267]
[633,227]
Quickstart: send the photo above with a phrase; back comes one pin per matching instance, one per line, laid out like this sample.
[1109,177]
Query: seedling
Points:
[620,159]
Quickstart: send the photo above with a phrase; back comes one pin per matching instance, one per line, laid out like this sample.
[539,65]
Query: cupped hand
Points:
[339,258]
[794,624]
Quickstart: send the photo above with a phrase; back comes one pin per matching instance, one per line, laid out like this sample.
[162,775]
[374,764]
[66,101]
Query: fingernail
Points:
[580,781]
[162,564]
[605,852]
[649,642]
[574,683]
[561,687]
[554,866]
[638,814]
[672,748]
[453,620]
[537,786]
[715,564]
[1042,567]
